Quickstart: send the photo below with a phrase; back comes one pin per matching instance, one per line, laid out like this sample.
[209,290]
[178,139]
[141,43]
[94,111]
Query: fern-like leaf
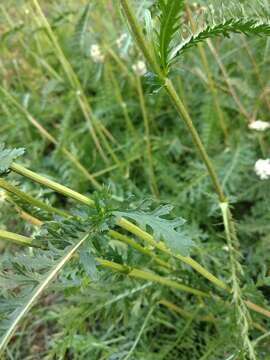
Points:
[163,229]
[46,280]
[225,28]
[7,156]
[170,11]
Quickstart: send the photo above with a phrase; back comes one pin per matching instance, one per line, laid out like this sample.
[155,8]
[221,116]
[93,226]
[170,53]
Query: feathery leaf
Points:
[47,279]
[245,26]
[169,24]
[163,229]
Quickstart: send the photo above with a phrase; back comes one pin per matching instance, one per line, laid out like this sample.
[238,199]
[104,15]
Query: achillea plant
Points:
[119,275]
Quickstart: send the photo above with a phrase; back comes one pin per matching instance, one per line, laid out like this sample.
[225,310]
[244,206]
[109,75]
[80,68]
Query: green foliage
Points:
[226,28]
[89,311]
[7,156]
[169,19]
[42,280]
[163,229]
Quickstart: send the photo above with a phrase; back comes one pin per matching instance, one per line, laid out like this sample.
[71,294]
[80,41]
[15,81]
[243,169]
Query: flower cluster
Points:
[3,196]
[96,54]
[259,125]
[139,68]
[120,40]
[262,169]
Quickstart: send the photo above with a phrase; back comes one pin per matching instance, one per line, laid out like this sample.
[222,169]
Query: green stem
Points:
[153,182]
[195,137]
[127,225]
[139,37]
[29,199]
[123,223]
[129,241]
[17,239]
[228,221]
[149,276]
[27,241]
[44,133]
[51,184]
[132,272]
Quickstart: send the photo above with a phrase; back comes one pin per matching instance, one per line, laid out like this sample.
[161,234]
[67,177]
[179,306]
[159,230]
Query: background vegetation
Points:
[74,94]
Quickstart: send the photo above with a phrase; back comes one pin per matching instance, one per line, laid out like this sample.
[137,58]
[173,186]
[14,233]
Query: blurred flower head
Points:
[262,169]
[96,54]
[259,125]
[139,68]
[120,40]
[3,196]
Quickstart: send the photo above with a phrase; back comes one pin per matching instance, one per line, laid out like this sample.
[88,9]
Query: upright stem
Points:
[195,137]
[153,182]
[139,37]
[240,305]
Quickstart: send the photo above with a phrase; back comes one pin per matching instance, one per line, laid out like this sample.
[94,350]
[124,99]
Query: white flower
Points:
[2,196]
[120,40]
[139,68]
[96,54]
[262,169]
[259,125]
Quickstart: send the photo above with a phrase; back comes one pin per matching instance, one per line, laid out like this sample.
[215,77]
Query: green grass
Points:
[114,138]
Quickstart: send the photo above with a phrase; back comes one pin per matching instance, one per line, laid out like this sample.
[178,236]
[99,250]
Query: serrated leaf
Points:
[7,156]
[88,262]
[246,26]
[163,229]
[45,280]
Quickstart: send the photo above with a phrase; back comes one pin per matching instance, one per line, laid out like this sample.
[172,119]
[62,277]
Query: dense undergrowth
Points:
[138,261]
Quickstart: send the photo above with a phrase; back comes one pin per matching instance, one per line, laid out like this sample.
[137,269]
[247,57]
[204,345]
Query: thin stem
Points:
[153,182]
[195,137]
[31,200]
[241,308]
[227,80]
[123,223]
[27,241]
[51,184]
[129,241]
[127,225]
[211,82]
[132,272]
[139,37]
[44,133]
[16,238]
[139,334]
[72,78]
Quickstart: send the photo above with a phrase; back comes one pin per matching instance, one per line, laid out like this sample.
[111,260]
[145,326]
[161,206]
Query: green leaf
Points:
[169,24]
[20,313]
[163,229]
[82,26]
[88,262]
[247,26]
[7,156]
